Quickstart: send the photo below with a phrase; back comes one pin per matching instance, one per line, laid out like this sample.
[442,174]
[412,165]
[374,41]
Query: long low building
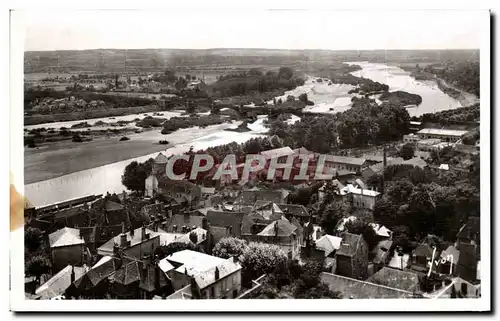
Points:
[448,135]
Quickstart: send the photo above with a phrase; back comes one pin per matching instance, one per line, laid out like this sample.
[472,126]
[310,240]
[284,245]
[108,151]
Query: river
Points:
[107,178]
[328,98]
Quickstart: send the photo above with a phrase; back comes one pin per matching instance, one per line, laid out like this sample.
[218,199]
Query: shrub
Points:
[124,138]
[77,138]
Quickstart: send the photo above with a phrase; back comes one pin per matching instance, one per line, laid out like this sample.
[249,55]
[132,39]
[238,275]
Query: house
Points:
[410,138]
[355,289]
[135,244]
[470,231]
[208,277]
[329,244]
[397,279]
[93,284]
[335,184]
[428,144]
[352,256]
[280,155]
[421,257]
[351,164]
[447,135]
[182,190]
[59,283]
[458,288]
[361,198]
[378,168]
[231,221]
[272,211]
[282,233]
[66,247]
[182,223]
[415,161]
[381,254]
[381,231]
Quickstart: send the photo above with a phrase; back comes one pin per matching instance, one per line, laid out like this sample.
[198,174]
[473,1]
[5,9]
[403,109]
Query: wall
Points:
[364,201]
[223,289]
[151,185]
[64,255]
[360,262]
[143,248]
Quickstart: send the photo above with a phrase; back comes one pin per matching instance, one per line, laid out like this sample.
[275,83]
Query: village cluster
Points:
[107,246]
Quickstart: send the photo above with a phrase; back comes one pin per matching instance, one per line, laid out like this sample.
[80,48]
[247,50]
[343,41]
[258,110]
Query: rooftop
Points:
[60,282]
[194,262]
[278,152]
[281,227]
[444,132]
[394,278]
[134,239]
[351,189]
[345,160]
[415,161]
[328,243]
[65,237]
[349,245]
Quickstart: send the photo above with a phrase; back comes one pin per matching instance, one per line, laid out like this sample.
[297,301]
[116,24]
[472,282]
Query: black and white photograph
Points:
[287,159]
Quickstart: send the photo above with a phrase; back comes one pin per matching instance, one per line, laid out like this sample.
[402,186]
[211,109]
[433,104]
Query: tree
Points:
[332,214]
[407,151]
[193,237]
[261,258]
[32,238]
[229,247]
[303,98]
[361,227]
[285,72]
[290,98]
[135,175]
[37,266]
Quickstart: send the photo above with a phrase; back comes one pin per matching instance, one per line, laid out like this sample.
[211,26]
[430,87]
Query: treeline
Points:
[419,202]
[401,98]
[464,75]
[255,81]
[176,123]
[369,87]
[454,116]
[366,124]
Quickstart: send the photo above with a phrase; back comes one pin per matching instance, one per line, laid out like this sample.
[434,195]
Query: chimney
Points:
[174,228]
[123,227]
[318,234]
[204,223]
[132,232]
[276,229]
[72,274]
[216,273]
[143,233]
[123,240]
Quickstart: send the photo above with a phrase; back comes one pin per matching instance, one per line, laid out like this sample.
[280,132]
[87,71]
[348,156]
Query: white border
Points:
[17,258]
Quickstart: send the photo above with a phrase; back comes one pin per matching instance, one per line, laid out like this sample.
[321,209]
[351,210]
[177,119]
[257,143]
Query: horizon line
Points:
[259,48]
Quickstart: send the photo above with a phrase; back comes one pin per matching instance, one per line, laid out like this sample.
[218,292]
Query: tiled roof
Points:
[201,235]
[293,209]
[423,250]
[194,262]
[349,245]
[65,237]
[355,289]
[382,251]
[249,197]
[101,270]
[60,282]
[113,206]
[328,243]
[226,219]
[150,277]
[394,278]
[278,152]
[127,274]
[134,239]
[180,220]
[281,227]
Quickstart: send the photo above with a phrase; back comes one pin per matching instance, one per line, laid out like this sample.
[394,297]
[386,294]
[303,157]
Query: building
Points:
[281,233]
[329,244]
[415,161]
[66,247]
[280,154]
[206,276]
[421,257]
[428,144]
[250,196]
[135,244]
[447,135]
[338,163]
[381,254]
[355,289]
[352,257]
[59,283]
[360,197]
[397,279]
[180,190]
[411,138]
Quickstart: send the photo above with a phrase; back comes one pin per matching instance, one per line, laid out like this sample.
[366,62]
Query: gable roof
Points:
[226,268]
[161,159]
[394,278]
[415,161]
[382,251]
[134,239]
[278,152]
[151,280]
[65,237]
[328,243]
[293,209]
[226,219]
[59,283]
[193,262]
[249,197]
[349,245]
[355,289]
[101,270]
[187,220]
[127,274]
[112,206]
[281,227]
[423,250]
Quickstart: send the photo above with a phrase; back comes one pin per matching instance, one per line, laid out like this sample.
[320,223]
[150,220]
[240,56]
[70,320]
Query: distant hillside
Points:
[121,60]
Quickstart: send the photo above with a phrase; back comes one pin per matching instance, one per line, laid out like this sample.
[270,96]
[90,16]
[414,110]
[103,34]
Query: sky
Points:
[277,29]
